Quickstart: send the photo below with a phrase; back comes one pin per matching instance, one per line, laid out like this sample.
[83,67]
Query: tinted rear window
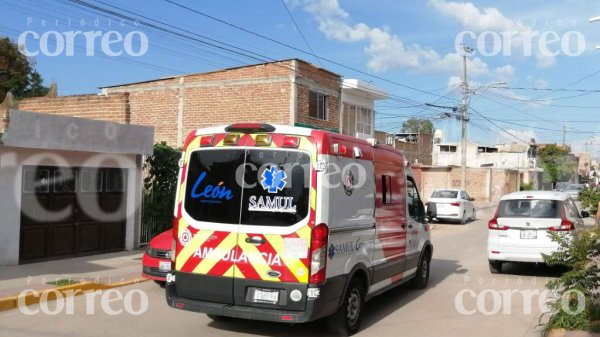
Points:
[267,187]
[444,194]
[529,208]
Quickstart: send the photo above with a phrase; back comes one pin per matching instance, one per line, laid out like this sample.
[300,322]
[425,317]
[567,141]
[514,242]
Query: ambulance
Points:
[291,224]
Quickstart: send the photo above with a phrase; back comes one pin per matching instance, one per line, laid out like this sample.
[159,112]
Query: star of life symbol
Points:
[273,179]
[185,237]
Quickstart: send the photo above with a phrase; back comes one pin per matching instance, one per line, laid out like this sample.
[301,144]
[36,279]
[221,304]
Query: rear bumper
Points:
[315,308]
[518,254]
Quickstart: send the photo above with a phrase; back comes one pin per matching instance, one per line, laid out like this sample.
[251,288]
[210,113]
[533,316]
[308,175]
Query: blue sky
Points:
[406,45]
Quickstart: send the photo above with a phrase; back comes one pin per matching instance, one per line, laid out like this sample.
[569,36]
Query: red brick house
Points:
[291,92]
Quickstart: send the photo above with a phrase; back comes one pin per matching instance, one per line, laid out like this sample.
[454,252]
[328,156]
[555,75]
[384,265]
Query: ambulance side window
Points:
[415,206]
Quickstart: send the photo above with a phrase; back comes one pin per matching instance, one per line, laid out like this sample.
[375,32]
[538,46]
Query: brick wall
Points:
[419,152]
[483,184]
[324,82]
[110,108]
[267,103]
[156,108]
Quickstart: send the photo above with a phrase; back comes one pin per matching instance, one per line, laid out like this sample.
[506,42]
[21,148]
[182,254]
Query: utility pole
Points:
[464,107]
[564,135]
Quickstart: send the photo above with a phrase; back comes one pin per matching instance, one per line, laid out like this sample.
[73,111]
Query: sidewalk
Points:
[104,269]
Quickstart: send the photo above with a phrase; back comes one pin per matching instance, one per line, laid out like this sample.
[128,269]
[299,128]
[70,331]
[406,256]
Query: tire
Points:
[160,283]
[421,280]
[495,267]
[218,318]
[346,321]
[463,220]
[474,215]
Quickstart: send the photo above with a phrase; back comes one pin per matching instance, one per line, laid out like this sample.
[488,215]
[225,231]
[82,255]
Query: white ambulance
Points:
[292,224]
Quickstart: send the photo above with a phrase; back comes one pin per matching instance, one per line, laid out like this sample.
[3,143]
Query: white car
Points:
[519,230]
[451,204]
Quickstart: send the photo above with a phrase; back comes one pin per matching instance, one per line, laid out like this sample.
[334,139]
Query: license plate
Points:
[266,296]
[164,266]
[528,234]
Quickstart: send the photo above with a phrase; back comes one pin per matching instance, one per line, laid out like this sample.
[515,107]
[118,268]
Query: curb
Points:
[12,302]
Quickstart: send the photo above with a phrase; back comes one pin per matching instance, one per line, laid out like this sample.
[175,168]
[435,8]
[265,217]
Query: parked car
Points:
[451,204]
[561,186]
[574,189]
[278,244]
[156,262]
[519,231]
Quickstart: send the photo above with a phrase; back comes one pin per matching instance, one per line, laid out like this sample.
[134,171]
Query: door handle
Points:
[255,240]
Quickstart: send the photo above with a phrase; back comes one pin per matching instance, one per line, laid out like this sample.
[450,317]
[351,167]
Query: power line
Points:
[297,49]
[300,32]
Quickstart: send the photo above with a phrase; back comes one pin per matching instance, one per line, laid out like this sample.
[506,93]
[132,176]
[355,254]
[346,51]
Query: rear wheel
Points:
[463,220]
[421,279]
[346,321]
[474,215]
[495,267]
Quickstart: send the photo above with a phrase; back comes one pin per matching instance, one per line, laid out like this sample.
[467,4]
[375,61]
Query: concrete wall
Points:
[11,168]
[483,184]
[508,160]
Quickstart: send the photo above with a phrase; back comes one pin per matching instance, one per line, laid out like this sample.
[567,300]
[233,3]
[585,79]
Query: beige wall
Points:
[483,184]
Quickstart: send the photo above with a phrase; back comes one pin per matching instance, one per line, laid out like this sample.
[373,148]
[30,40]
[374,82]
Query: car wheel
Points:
[474,215]
[346,321]
[421,280]
[495,267]
[463,220]
[218,318]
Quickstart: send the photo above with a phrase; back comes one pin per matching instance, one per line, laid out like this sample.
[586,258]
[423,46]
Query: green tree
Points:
[17,73]
[415,125]
[558,165]
[160,186]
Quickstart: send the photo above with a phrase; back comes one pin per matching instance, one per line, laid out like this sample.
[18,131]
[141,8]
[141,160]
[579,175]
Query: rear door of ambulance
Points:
[277,214]
[207,218]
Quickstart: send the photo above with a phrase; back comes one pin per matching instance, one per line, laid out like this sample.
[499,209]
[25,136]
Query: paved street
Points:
[459,264]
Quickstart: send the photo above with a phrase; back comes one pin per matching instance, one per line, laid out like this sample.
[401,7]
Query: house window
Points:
[447,148]
[363,120]
[317,105]
[356,119]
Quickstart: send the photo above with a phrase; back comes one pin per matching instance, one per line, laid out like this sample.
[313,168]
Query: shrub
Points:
[577,253]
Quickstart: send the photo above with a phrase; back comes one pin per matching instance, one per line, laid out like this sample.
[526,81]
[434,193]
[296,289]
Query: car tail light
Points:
[456,203]
[289,141]
[565,224]
[318,253]
[207,140]
[231,139]
[493,224]
[263,140]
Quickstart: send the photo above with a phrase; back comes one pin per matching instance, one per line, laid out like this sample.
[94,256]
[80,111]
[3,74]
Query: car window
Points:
[529,208]
[572,209]
[413,199]
[444,194]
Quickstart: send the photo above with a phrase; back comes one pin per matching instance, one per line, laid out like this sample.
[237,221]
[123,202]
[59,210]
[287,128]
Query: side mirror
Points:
[472,199]
[585,214]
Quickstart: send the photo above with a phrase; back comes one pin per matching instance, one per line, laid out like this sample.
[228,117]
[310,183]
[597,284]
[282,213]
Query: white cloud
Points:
[525,135]
[386,50]
[491,19]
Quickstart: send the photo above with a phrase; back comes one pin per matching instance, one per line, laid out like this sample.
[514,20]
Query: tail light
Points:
[456,203]
[318,253]
[565,224]
[493,224]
